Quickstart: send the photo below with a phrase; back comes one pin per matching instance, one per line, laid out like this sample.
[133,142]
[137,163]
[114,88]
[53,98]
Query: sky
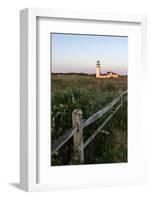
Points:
[78,53]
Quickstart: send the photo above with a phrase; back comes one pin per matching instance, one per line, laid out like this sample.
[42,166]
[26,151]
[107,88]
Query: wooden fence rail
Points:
[79,124]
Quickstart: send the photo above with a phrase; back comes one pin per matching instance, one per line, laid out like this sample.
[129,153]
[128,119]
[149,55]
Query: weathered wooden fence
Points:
[79,124]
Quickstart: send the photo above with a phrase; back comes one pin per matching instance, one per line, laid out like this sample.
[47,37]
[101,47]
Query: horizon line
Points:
[82,73]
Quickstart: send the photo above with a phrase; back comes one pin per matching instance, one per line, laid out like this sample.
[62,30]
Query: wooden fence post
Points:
[78,154]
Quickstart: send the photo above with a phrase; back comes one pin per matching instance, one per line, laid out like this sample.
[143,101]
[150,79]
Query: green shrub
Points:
[110,86]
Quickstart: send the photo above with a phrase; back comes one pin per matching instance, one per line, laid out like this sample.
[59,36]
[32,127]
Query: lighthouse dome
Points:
[98,62]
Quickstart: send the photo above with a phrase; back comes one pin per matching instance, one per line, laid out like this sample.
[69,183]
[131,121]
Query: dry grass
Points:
[89,94]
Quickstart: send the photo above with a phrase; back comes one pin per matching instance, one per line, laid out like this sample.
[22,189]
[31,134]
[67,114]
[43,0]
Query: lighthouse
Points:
[98,68]
[106,75]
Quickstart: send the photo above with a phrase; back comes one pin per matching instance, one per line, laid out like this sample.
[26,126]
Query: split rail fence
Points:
[79,124]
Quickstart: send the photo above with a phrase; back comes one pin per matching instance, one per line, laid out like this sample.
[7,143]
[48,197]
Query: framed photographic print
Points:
[81,88]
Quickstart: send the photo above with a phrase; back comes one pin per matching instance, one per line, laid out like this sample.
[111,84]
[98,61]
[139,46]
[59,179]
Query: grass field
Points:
[85,92]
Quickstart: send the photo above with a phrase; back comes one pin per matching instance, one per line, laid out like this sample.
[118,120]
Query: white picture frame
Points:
[29,141]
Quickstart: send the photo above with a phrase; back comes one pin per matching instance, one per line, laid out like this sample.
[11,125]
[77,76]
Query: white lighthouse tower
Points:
[98,68]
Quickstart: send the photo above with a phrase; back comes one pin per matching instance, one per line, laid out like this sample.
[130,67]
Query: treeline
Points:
[82,74]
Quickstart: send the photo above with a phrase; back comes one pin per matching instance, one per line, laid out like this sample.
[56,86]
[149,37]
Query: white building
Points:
[107,75]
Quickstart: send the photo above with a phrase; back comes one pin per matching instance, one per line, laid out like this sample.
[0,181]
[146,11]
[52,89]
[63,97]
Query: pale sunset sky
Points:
[79,53]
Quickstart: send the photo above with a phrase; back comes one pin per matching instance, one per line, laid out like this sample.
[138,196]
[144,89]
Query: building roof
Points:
[103,74]
[111,73]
